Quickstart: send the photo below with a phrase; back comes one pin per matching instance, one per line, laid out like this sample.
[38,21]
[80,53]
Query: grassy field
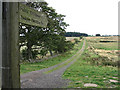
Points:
[28,67]
[105,49]
[97,65]
[96,42]
[82,72]
[92,68]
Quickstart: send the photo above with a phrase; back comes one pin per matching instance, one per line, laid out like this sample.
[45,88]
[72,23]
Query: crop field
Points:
[105,46]
[72,39]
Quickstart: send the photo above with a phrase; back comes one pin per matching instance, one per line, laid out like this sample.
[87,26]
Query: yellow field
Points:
[107,49]
[71,38]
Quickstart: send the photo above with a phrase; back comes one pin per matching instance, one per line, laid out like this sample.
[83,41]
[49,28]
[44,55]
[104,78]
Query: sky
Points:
[89,16]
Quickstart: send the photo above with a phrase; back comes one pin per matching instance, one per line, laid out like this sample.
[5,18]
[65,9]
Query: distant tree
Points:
[75,34]
[98,35]
[81,37]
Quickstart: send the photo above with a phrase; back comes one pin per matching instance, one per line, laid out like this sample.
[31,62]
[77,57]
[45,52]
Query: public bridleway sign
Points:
[9,38]
[31,16]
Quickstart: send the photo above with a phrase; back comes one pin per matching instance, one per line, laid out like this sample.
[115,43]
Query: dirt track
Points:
[38,79]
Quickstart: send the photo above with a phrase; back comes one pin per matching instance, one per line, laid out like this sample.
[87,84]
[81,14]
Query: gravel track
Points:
[38,79]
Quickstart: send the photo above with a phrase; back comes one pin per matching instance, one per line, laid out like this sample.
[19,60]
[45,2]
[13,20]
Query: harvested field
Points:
[108,49]
[71,39]
[108,53]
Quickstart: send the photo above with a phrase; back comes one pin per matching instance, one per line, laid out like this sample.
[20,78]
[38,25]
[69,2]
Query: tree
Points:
[75,34]
[55,28]
[63,46]
[43,52]
[98,35]
[47,38]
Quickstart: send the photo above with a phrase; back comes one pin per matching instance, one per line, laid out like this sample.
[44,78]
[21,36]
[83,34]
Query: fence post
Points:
[0,43]
[10,50]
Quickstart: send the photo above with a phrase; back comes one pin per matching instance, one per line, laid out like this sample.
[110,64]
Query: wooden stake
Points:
[10,50]
[0,43]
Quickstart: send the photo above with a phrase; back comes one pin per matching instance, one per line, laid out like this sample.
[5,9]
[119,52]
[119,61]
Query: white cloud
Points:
[89,16]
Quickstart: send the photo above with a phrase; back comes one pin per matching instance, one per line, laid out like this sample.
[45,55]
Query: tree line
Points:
[75,34]
[40,40]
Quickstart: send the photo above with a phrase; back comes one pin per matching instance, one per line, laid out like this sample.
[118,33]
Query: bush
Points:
[24,54]
[100,60]
[76,41]
[34,54]
[69,45]
[81,37]
[43,52]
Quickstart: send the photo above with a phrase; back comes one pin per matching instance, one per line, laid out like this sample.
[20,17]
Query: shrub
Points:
[43,52]
[81,37]
[76,41]
[24,54]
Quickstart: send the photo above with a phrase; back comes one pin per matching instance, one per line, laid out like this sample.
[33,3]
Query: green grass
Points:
[62,65]
[106,46]
[66,63]
[82,72]
[28,67]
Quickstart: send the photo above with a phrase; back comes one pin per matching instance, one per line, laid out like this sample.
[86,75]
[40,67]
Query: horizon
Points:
[88,16]
[95,34]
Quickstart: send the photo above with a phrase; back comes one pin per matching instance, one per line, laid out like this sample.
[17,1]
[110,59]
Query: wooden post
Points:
[10,50]
[0,43]
[119,37]
[119,21]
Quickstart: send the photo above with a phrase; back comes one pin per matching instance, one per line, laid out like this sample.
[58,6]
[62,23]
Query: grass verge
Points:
[66,63]
[28,67]
[82,72]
